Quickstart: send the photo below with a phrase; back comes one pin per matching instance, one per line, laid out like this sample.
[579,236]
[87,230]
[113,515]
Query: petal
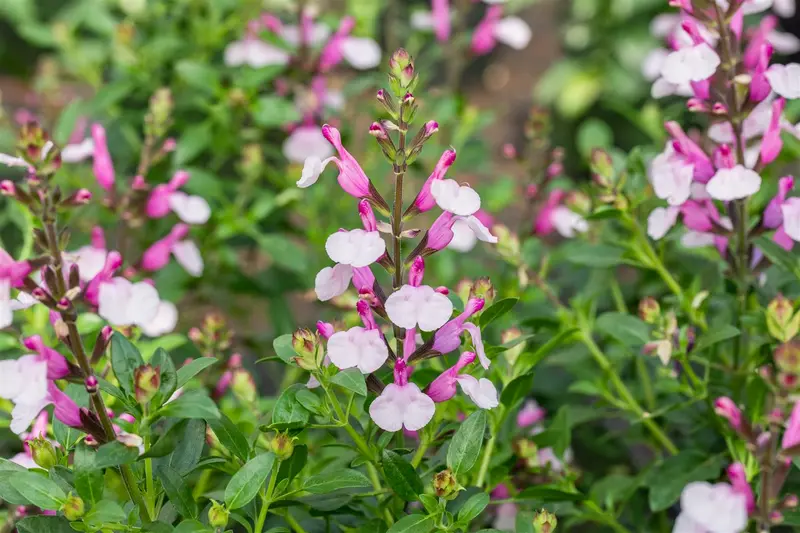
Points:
[477,342]
[260,54]
[422,20]
[514,32]
[695,63]
[461,200]
[791,218]
[464,239]
[22,415]
[401,307]
[419,408]
[90,261]
[190,209]
[11,161]
[567,222]
[304,143]
[235,54]
[332,281]
[482,392]
[697,239]
[188,256]
[716,507]
[387,409]
[312,169]
[75,153]
[481,231]
[373,352]
[343,349]
[113,299]
[733,183]
[163,322]
[356,247]
[785,80]
[660,221]
[6,312]
[143,304]
[433,308]
[362,53]
[11,382]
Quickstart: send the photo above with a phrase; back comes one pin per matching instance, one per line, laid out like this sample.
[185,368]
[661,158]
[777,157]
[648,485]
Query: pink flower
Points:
[12,274]
[423,307]
[461,200]
[362,348]
[362,53]
[711,508]
[440,10]
[512,31]
[103,166]
[425,200]
[671,177]
[448,338]
[66,410]
[660,221]
[773,217]
[785,80]
[123,303]
[351,177]
[690,64]
[357,248]
[530,414]
[57,366]
[738,479]
[790,209]
[186,253]
[726,408]
[402,404]
[306,142]
[112,263]
[791,436]
[691,152]
[733,183]
[772,144]
[166,197]
[482,391]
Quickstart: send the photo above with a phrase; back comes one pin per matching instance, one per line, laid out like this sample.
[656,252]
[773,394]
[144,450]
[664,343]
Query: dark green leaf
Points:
[190,370]
[310,401]
[189,449]
[401,476]
[194,140]
[158,527]
[192,526]
[714,336]
[497,310]
[558,434]
[592,255]
[467,442]
[178,492]
[545,493]
[246,483]
[167,442]
[192,404]
[517,390]
[668,478]
[112,389]
[473,507]
[7,492]
[627,329]
[231,437]
[88,478]
[44,524]
[778,255]
[125,358]
[528,360]
[114,454]
[105,512]
[336,480]
[284,350]
[38,490]
[414,523]
[288,412]
[169,378]
[351,379]
[65,435]
[295,464]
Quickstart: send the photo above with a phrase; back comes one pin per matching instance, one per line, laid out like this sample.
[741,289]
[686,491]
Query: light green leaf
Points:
[414,523]
[351,379]
[191,369]
[38,490]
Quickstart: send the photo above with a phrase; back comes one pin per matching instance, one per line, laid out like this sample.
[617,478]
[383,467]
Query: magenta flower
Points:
[727,409]
[166,197]
[481,391]
[440,11]
[425,200]
[448,338]
[57,366]
[103,165]
[791,437]
[66,410]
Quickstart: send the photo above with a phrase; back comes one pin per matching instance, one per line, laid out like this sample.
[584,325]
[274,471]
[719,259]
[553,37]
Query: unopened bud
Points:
[282,445]
[400,60]
[445,485]
[602,168]
[544,522]
[243,386]
[782,322]
[776,517]
[509,151]
[160,113]
[43,453]
[7,188]
[787,381]
[578,202]
[307,345]
[218,515]
[147,380]
[483,288]
[73,508]
[79,197]
[787,357]
[727,409]
[649,310]
[212,440]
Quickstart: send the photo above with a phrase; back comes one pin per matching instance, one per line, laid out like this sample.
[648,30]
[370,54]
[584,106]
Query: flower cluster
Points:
[418,315]
[313,49]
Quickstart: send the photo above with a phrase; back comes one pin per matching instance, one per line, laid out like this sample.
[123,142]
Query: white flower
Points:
[255,53]
[11,161]
[90,261]
[190,209]
[312,169]
[660,221]
[481,391]
[697,239]
[422,20]
[401,406]
[461,200]
[6,310]
[75,153]
[695,63]
[671,177]
[362,53]
[24,382]
[733,183]
[332,281]
[785,80]
[567,222]
[163,322]
[305,142]
[359,348]
[651,67]
[785,8]
[783,43]
[411,306]
[711,508]
[481,231]
[123,303]
[357,247]
[514,32]
[464,239]
[749,7]
[791,218]
[319,34]
[188,256]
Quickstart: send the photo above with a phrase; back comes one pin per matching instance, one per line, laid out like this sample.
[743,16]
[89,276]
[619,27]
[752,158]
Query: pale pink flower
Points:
[567,222]
[790,209]
[733,183]
[359,348]
[461,200]
[166,197]
[77,152]
[707,508]
[123,303]
[481,391]
[333,281]
[671,176]
[189,208]
[90,259]
[357,247]
[660,221]
[351,177]
[409,307]
[791,437]
[307,142]
[23,381]
[425,200]
[448,337]
[255,53]
[57,366]
[695,63]
[785,80]
[530,414]
[402,404]
[164,321]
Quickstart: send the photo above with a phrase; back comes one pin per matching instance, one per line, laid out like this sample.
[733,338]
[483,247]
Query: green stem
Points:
[647,386]
[294,524]
[487,459]
[266,497]
[420,453]
[148,476]
[201,485]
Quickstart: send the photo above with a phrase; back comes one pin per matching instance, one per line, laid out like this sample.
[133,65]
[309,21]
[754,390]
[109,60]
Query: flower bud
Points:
[790,501]
[544,522]
[649,310]
[578,202]
[727,409]
[306,344]
[159,116]
[243,386]
[787,357]
[43,453]
[91,384]
[147,380]
[218,515]
[212,440]
[445,485]
[399,61]
[512,354]
[282,445]
[602,168]
[73,508]
[782,322]
[529,452]
[483,288]
[507,244]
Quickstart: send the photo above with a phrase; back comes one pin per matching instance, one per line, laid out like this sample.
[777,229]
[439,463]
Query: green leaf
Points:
[88,478]
[169,378]
[65,435]
[528,360]
[66,122]
[192,404]
[547,494]
[401,476]
[189,449]
[336,480]
[288,412]
[295,464]
[192,526]
[668,478]
[246,483]
[38,490]
[190,370]
[310,401]
[517,390]
[627,329]
[194,141]
[466,444]
[7,491]
[473,507]
[167,442]
[714,336]
[274,111]
[44,524]
[178,492]
[158,527]
[283,349]
[113,390]
[283,251]
[780,257]
[114,454]
[351,379]
[497,310]
[105,512]
[592,255]
[231,437]
[125,358]
[558,434]
[414,523]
